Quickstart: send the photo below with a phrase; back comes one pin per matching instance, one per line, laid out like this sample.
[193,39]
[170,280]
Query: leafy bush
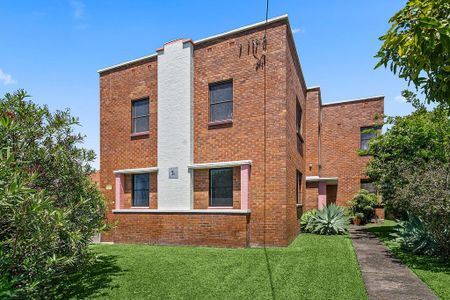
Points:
[329,220]
[413,236]
[49,208]
[363,205]
[306,219]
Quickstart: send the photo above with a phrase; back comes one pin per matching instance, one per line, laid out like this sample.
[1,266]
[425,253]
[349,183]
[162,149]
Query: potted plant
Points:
[358,218]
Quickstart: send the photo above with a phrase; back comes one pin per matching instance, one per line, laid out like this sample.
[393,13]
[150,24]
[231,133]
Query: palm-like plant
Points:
[329,220]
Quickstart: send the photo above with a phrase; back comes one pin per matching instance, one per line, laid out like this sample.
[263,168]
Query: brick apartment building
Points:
[219,142]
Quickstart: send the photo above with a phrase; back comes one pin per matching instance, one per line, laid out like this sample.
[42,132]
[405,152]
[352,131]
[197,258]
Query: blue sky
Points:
[53,48]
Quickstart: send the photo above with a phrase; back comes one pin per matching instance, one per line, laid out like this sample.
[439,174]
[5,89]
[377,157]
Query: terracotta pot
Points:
[357,221]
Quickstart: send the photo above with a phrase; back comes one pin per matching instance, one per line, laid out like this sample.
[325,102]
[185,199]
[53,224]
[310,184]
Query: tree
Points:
[50,209]
[410,168]
[418,46]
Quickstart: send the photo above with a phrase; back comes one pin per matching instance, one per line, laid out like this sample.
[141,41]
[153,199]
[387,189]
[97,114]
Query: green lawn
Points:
[433,271]
[312,267]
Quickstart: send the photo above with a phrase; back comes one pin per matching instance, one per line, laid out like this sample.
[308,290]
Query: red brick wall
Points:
[118,150]
[312,131]
[180,229]
[339,143]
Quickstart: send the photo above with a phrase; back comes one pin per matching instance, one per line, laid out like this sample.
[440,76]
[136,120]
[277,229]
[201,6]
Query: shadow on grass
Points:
[89,282]
[412,260]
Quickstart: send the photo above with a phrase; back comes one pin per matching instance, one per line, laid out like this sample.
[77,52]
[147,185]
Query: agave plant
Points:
[413,236]
[329,220]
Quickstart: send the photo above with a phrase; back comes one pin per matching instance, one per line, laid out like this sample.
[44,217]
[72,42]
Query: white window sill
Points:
[179,211]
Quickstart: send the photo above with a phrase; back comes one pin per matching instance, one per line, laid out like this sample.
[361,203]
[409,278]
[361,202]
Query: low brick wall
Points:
[199,229]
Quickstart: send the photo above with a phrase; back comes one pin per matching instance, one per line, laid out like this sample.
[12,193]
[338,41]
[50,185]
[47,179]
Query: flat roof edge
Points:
[207,39]
[353,100]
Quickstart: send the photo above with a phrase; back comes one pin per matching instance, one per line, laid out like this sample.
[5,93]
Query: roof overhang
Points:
[329,180]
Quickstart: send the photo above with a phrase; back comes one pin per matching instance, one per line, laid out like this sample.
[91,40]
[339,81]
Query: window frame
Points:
[363,128]
[210,196]
[210,105]
[133,118]
[298,187]
[133,190]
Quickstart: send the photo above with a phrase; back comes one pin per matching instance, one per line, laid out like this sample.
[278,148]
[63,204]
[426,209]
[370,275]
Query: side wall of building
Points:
[295,147]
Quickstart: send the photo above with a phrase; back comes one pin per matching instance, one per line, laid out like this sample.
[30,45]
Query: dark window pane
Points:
[140,124]
[140,108]
[221,92]
[221,187]
[299,118]
[367,133]
[221,111]
[368,186]
[299,187]
[140,189]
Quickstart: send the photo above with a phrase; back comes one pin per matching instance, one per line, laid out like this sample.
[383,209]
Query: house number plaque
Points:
[173,173]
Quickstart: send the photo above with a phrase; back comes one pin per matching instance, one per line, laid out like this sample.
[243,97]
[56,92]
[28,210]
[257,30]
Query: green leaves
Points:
[48,206]
[417,47]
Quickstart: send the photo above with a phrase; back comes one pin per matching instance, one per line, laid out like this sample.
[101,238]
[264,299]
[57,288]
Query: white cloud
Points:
[298,30]
[77,8]
[400,99]
[6,78]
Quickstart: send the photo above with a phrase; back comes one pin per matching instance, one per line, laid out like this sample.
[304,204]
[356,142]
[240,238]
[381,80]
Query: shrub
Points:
[49,208]
[363,205]
[413,236]
[306,219]
[329,220]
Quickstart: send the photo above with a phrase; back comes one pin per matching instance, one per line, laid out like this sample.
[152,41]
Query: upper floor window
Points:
[368,186]
[298,118]
[221,187]
[298,188]
[367,133]
[140,189]
[221,101]
[140,116]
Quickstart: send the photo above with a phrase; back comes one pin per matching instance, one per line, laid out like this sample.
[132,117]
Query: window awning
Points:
[329,180]
[137,171]
[223,164]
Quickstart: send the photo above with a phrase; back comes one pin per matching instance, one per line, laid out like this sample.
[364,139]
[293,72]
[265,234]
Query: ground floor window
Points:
[221,187]
[140,189]
[368,186]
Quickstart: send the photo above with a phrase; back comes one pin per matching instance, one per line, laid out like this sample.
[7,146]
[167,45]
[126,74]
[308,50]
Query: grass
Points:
[312,267]
[434,271]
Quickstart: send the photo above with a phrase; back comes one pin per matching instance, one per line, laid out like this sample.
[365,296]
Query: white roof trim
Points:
[137,171]
[313,87]
[353,100]
[243,28]
[179,211]
[224,164]
[319,179]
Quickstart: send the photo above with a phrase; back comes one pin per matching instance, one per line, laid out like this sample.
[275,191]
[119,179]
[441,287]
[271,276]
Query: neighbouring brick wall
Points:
[201,188]
[340,141]
[222,230]
[295,150]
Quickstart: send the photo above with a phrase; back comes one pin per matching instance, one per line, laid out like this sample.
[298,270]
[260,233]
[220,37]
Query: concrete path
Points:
[384,275]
